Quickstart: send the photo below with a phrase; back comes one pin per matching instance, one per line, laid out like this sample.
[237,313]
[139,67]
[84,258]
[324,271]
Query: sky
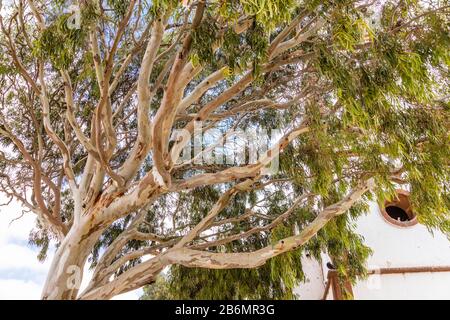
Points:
[22,276]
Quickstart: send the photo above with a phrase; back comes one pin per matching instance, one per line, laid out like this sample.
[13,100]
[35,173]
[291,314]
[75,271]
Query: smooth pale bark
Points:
[147,271]
[144,140]
[66,271]
[203,259]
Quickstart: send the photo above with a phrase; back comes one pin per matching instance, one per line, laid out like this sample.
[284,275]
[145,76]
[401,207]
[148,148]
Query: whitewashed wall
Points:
[397,247]
[314,285]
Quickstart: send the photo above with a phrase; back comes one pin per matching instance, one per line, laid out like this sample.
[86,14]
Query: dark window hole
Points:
[397,214]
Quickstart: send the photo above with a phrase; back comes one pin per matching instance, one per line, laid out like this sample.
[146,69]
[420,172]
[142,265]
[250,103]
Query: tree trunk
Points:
[66,271]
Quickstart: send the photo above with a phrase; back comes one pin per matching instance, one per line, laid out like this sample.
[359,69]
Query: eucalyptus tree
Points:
[105,107]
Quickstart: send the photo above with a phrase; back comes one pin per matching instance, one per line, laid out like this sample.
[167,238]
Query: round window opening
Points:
[398,211]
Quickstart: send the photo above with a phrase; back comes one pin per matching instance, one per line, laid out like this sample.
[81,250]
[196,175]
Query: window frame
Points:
[401,201]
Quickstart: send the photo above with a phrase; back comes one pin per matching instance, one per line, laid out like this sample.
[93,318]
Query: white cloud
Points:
[11,230]
[15,289]
[15,256]
[21,274]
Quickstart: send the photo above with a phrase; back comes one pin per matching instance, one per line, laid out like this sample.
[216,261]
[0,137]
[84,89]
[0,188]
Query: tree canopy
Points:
[223,139]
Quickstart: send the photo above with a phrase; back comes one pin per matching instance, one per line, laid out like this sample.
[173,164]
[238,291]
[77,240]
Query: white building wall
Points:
[410,286]
[314,285]
[394,247]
